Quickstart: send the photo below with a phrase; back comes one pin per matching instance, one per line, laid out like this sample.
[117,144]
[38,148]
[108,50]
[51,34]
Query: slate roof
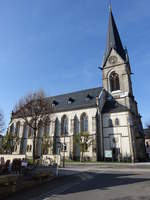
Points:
[81,100]
[113,39]
[75,100]
[112,106]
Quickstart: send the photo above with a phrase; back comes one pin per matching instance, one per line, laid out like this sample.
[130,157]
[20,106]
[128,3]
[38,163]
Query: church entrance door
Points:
[115,141]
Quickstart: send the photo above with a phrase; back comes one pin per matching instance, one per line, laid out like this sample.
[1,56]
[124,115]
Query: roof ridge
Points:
[78,91]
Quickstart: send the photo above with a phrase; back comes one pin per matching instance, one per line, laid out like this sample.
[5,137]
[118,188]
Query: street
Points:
[93,184]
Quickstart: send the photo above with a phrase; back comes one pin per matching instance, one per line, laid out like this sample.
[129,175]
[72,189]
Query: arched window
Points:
[12,130]
[84,123]
[114,81]
[117,122]
[110,123]
[40,129]
[31,130]
[25,131]
[47,127]
[64,125]
[76,125]
[17,130]
[24,139]
[57,127]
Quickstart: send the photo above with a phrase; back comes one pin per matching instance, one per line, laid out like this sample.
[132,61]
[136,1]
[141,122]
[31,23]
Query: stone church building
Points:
[109,114]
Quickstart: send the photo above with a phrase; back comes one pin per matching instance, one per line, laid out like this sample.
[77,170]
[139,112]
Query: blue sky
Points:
[57,45]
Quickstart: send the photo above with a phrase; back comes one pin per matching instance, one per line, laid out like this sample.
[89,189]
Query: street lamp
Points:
[59,147]
[64,144]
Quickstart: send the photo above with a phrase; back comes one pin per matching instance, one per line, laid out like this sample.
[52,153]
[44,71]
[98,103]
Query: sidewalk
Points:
[144,165]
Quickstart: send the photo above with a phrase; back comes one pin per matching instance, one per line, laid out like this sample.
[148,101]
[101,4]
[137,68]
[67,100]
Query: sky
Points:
[57,46]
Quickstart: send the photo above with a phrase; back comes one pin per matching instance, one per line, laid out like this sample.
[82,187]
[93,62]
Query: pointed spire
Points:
[113,38]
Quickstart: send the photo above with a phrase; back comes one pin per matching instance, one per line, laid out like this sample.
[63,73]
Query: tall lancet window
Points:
[84,123]
[114,82]
[64,125]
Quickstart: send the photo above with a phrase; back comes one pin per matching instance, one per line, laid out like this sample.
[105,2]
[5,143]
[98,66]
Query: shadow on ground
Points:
[81,182]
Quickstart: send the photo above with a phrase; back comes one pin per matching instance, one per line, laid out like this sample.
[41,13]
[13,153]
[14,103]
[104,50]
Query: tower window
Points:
[114,82]
[117,122]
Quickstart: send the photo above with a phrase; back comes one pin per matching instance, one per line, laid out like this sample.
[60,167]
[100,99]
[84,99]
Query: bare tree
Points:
[1,122]
[7,143]
[33,108]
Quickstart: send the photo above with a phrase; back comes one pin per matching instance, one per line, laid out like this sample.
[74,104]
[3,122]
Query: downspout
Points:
[100,125]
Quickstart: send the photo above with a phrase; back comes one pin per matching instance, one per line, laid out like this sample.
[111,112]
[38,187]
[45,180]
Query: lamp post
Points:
[64,152]
[65,132]
[59,147]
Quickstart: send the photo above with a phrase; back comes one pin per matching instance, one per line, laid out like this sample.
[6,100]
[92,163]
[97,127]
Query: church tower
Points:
[116,68]
[122,128]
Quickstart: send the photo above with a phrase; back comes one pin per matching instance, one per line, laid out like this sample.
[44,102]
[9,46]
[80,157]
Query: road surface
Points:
[93,184]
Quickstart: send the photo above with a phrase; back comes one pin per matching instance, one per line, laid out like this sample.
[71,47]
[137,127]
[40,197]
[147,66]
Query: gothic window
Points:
[64,125]
[24,139]
[110,123]
[17,130]
[40,129]
[57,125]
[117,122]
[47,127]
[76,125]
[84,123]
[12,129]
[25,131]
[31,130]
[114,81]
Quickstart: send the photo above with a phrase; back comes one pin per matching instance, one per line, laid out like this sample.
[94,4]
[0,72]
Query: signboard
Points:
[108,153]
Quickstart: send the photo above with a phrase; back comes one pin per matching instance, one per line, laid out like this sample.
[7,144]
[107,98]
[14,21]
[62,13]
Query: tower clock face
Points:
[112,59]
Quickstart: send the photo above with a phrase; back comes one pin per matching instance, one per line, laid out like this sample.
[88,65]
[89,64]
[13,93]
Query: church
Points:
[109,115]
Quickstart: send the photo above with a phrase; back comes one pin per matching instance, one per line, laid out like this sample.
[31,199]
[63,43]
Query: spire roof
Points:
[113,39]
